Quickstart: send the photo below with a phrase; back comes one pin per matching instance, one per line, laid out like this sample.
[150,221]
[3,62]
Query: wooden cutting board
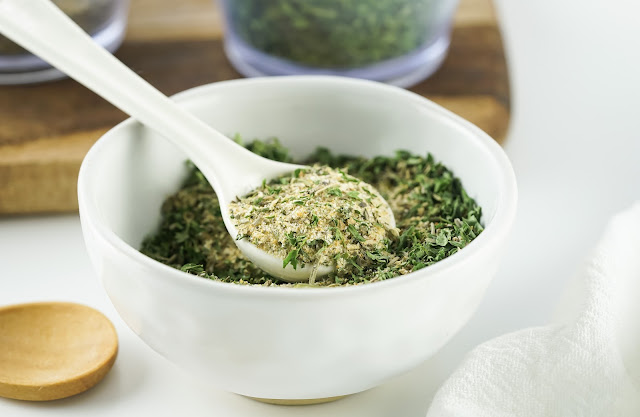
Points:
[46,129]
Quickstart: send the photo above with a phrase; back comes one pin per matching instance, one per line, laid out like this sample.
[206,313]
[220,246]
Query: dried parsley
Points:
[434,215]
[336,33]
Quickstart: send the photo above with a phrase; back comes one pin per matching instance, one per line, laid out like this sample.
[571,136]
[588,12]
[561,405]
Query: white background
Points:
[575,146]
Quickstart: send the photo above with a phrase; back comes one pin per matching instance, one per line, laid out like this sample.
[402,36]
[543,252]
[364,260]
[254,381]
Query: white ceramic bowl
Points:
[287,343]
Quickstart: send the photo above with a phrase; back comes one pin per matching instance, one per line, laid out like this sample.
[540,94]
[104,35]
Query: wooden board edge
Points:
[41,176]
[485,111]
[39,188]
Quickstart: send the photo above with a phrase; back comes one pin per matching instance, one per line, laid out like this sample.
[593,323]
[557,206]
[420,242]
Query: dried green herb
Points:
[434,215]
[336,33]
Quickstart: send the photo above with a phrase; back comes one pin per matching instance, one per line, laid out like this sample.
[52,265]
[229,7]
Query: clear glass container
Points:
[104,20]
[399,42]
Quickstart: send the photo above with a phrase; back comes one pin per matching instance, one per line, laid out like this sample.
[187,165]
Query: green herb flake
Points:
[334,191]
[354,232]
[291,258]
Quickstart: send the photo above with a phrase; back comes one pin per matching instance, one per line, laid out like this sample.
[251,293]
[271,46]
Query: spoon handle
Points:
[42,28]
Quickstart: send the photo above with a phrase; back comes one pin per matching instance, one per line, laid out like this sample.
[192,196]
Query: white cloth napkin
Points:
[586,365]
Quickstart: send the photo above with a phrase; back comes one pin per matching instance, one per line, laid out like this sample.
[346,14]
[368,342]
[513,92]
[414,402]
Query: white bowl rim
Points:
[495,231]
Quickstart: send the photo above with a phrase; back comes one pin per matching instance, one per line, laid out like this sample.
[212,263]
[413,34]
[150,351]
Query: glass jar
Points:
[104,20]
[400,42]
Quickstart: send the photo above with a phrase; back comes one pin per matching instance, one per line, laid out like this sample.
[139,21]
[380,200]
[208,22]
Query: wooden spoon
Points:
[53,350]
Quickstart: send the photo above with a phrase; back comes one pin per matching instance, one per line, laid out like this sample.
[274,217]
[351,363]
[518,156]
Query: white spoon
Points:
[233,171]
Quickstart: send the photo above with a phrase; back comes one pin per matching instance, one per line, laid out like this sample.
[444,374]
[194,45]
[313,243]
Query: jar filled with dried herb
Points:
[104,20]
[396,41]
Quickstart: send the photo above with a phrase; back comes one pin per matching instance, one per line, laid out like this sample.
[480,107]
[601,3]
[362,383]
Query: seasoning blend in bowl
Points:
[336,223]
[399,42]
[104,20]
[291,342]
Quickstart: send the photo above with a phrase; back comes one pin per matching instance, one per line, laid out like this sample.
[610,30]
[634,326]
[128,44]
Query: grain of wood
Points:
[53,350]
[39,176]
[154,20]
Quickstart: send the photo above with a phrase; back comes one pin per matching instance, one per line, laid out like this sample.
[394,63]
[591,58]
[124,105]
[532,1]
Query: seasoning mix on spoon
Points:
[315,216]
[332,216]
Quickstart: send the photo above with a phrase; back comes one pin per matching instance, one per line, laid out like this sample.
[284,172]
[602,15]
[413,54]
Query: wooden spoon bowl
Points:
[53,350]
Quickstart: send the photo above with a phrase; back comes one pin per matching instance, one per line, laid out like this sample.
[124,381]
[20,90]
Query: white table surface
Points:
[575,146]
